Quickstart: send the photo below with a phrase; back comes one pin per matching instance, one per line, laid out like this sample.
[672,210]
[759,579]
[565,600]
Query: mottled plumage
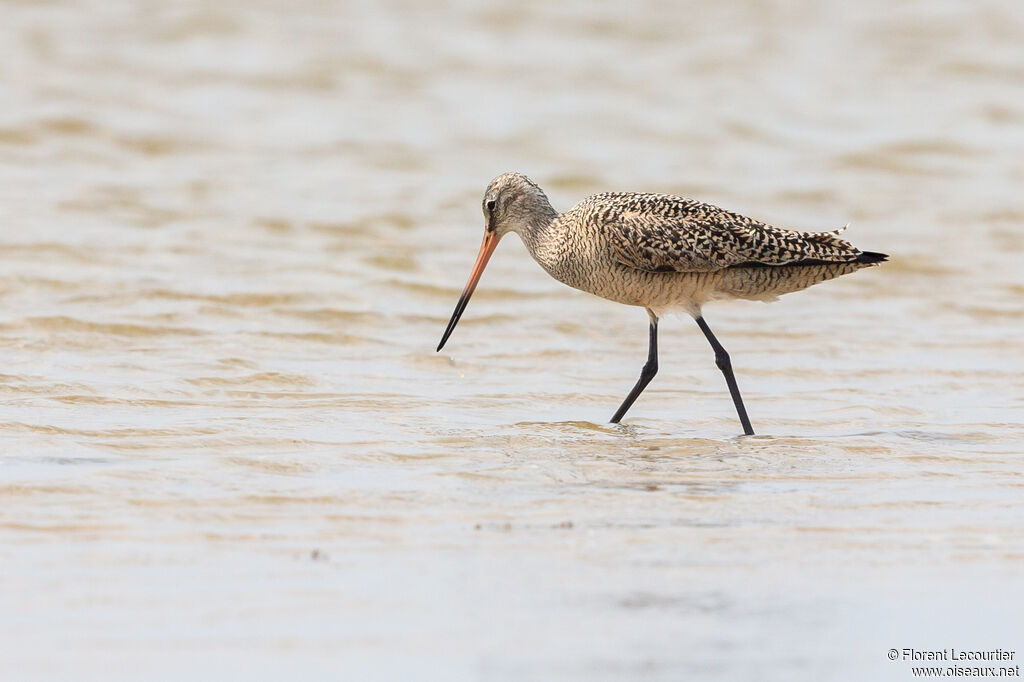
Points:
[661,233]
[661,252]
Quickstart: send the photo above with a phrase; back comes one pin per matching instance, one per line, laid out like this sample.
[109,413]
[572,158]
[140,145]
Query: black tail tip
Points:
[872,257]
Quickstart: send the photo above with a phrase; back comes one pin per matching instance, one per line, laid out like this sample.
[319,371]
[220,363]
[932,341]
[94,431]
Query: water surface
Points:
[230,238]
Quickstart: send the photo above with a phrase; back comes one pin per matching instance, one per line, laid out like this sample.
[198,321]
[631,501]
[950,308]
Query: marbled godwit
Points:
[661,252]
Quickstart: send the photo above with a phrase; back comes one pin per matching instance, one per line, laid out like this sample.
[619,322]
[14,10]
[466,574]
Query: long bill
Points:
[486,249]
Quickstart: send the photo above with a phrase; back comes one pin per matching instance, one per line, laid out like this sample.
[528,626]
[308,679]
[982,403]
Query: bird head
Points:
[512,203]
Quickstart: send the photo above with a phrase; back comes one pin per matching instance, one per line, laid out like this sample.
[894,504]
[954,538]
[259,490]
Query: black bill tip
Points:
[459,308]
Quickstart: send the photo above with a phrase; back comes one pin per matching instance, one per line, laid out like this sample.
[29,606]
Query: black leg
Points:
[724,364]
[646,374]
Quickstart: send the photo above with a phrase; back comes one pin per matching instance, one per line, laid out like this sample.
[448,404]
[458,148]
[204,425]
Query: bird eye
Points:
[490,205]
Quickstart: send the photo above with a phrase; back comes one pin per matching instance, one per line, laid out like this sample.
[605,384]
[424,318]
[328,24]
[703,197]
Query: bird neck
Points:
[538,229]
[541,238]
[536,221]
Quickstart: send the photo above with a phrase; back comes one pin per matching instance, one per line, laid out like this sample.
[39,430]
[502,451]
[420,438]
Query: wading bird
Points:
[661,252]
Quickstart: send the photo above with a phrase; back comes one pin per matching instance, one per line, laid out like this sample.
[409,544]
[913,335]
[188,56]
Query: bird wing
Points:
[694,237]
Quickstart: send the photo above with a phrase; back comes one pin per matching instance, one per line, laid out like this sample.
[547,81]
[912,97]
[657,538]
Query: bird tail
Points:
[870,257]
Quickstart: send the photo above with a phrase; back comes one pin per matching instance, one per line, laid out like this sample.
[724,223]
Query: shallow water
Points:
[230,238]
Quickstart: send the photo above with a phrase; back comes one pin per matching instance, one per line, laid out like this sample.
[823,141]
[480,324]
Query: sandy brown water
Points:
[231,236]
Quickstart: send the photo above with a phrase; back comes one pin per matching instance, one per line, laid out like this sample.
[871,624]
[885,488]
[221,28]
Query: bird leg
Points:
[646,374]
[724,364]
